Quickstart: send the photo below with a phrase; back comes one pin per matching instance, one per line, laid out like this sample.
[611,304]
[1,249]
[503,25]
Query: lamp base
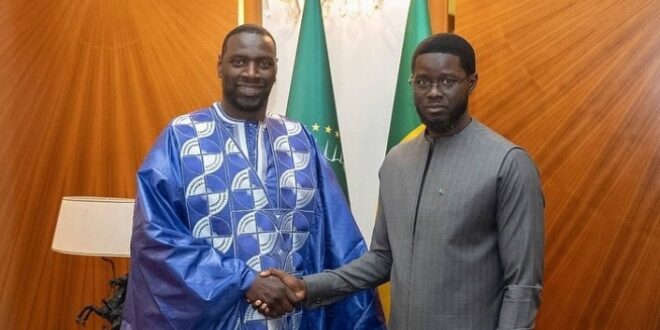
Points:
[112,306]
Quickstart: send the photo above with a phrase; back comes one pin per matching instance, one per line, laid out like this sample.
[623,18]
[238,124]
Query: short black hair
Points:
[245,28]
[448,43]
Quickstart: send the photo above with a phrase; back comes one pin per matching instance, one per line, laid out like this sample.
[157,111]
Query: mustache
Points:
[251,81]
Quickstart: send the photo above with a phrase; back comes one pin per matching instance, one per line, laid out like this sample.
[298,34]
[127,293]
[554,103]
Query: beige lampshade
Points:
[94,226]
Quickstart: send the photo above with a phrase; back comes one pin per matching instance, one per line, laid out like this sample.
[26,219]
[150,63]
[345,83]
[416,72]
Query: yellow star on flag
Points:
[328,129]
[315,127]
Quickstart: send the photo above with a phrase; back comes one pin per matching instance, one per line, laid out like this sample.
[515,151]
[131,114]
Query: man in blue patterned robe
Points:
[229,191]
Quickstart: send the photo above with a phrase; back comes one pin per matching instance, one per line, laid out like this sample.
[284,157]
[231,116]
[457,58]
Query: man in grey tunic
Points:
[459,227]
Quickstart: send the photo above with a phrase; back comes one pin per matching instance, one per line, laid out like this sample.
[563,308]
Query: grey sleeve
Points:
[370,270]
[520,207]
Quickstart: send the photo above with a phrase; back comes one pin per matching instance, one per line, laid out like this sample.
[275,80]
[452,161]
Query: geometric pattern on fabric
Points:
[229,206]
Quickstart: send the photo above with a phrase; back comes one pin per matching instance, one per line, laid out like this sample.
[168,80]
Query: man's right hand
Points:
[295,284]
[277,297]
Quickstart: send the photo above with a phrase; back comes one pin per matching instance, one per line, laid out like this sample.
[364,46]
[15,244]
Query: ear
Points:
[472,82]
[219,66]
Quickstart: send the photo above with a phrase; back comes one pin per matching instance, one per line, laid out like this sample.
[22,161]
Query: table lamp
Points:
[98,227]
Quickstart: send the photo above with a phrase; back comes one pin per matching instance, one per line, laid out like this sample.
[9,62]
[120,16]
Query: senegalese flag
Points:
[311,98]
[405,123]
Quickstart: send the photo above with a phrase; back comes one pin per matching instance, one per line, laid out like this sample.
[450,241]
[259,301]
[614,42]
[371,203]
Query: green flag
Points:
[311,98]
[405,122]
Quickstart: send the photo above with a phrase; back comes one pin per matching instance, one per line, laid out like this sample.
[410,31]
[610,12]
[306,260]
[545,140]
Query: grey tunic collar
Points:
[434,139]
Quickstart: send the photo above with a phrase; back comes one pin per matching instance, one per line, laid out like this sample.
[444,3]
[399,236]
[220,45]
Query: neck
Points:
[237,113]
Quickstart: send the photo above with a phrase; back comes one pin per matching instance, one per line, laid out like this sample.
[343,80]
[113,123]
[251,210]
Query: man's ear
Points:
[472,83]
[219,66]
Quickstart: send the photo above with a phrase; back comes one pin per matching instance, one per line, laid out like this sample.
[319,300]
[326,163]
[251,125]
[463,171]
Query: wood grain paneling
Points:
[577,83]
[438,12]
[253,11]
[86,87]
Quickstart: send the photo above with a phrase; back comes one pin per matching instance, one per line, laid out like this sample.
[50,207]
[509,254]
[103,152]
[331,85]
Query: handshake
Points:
[275,292]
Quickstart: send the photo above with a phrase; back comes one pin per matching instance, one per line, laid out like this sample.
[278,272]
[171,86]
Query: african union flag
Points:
[311,98]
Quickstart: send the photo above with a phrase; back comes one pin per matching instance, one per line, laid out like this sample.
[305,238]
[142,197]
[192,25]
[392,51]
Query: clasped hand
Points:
[275,292]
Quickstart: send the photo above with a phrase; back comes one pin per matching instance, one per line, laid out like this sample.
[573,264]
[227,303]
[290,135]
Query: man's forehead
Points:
[437,60]
[438,57]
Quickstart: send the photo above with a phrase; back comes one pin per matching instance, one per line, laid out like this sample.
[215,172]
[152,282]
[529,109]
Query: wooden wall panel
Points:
[253,11]
[438,11]
[86,87]
[577,83]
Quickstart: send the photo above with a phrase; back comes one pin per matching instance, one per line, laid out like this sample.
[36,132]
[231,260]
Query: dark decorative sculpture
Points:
[112,306]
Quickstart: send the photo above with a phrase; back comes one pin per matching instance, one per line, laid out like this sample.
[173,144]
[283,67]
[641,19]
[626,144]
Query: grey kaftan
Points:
[465,252]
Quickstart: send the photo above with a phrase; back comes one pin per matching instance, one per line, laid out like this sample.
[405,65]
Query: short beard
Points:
[443,126]
[247,104]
